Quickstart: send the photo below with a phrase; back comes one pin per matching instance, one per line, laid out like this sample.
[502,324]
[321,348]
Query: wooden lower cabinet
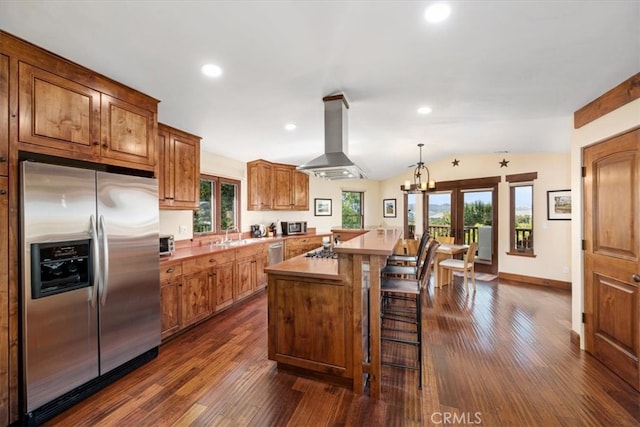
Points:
[195,289]
[223,283]
[294,246]
[196,298]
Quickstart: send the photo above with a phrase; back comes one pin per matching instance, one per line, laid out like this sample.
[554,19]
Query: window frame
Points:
[217,202]
[361,193]
[516,181]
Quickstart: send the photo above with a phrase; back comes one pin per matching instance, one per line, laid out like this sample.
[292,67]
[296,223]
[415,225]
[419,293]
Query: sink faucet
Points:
[226,235]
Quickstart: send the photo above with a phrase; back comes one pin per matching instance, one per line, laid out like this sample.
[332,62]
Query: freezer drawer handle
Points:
[96,258]
[105,268]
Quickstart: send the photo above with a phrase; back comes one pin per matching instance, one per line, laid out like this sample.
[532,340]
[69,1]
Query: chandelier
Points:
[421,179]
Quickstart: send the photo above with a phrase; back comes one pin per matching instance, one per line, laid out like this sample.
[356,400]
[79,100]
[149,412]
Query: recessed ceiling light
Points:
[424,110]
[437,12]
[211,70]
[290,126]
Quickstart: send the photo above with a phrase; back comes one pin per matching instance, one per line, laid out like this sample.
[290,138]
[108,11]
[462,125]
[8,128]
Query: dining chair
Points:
[402,302]
[450,240]
[465,265]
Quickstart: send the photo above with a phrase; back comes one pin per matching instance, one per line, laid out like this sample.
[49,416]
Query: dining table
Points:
[445,250]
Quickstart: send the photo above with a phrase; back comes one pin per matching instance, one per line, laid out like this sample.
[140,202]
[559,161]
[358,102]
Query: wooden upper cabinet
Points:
[58,113]
[128,132]
[283,187]
[179,168]
[300,191]
[276,186]
[260,185]
[4,115]
[69,111]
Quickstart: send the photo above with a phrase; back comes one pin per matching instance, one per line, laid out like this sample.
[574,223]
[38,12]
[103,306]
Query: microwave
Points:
[167,244]
[291,227]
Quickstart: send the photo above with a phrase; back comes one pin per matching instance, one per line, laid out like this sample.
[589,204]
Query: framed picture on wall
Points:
[559,205]
[389,208]
[322,207]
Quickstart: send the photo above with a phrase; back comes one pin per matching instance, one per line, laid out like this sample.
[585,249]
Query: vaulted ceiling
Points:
[498,75]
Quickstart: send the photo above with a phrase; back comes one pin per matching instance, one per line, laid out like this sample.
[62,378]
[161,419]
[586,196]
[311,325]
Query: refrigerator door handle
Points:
[105,263]
[96,260]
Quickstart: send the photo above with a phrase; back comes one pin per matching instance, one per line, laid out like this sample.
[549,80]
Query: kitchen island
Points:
[324,314]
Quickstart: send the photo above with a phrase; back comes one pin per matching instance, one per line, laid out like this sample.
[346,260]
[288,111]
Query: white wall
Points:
[552,238]
[171,220]
[614,123]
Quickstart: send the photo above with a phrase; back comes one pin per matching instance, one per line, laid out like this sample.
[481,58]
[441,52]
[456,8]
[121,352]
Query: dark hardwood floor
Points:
[499,357]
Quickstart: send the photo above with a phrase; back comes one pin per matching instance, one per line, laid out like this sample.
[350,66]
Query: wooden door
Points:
[4,302]
[58,113]
[612,254]
[128,132]
[260,186]
[4,115]
[262,261]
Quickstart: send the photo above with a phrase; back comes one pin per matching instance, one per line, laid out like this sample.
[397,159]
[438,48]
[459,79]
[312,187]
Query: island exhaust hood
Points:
[334,163]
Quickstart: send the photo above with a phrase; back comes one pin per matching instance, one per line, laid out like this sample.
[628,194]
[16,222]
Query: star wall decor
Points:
[455,162]
[504,163]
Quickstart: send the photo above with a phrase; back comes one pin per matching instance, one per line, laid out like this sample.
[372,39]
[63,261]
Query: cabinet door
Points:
[57,113]
[300,191]
[184,162]
[262,260]
[245,278]
[260,185]
[4,115]
[5,353]
[128,132]
[283,189]
[196,302]
[170,303]
[224,282]
[165,172]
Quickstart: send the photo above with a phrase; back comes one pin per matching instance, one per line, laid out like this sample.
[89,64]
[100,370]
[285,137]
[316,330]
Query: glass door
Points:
[477,218]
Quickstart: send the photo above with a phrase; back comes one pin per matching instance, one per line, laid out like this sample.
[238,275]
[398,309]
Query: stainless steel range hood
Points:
[334,163]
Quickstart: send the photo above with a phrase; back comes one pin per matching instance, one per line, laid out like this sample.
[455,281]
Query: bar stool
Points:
[406,266]
[402,302]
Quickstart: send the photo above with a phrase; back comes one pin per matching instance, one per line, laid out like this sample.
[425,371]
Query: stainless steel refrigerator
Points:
[90,281]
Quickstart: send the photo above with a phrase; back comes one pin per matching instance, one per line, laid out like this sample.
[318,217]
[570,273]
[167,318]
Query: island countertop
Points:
[375,242]
[302,266]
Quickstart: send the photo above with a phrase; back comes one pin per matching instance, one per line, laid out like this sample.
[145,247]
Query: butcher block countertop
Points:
[375,242]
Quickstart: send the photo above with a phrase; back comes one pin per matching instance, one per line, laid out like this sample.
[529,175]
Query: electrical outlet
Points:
[182,229]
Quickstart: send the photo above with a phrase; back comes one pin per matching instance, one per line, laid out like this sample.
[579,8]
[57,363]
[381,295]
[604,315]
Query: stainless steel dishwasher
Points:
[276,252]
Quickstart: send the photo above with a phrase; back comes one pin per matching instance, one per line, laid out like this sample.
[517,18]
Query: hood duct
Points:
[334,163]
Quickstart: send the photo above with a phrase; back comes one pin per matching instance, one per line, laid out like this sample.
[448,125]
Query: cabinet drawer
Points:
[169,272]
[248,251]
[196,265]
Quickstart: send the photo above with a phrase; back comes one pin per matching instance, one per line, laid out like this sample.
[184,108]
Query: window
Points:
[521,213]
[219,205]
[352,209]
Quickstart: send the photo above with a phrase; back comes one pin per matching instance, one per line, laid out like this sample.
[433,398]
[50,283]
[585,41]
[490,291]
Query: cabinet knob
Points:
[212,260]
[3,159]
[105,145]
[170,270]
[3,191]
[96,142]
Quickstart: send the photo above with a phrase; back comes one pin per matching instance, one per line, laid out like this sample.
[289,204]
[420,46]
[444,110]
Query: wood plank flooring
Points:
[499,357]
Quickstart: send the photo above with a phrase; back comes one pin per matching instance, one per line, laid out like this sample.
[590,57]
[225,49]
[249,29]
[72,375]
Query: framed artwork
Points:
[389,208]
[559,205]
[322,207]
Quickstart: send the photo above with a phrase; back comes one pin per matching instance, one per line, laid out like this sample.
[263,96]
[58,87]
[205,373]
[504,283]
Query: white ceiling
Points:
[499,75]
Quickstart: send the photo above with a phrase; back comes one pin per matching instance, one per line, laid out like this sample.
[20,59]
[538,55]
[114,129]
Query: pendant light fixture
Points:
[422,181]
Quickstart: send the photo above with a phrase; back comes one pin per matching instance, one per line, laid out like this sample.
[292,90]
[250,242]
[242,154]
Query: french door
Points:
[466,210]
